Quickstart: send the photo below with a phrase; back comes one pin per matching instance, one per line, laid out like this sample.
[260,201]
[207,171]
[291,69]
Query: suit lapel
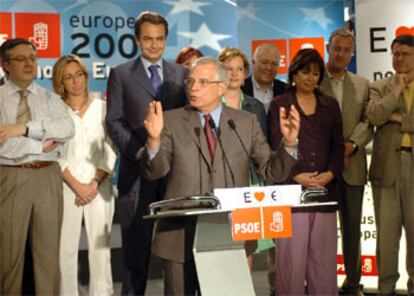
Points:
[140,76]
[327,86]
[401,101]
[168,78]
[195,130]
[348,95]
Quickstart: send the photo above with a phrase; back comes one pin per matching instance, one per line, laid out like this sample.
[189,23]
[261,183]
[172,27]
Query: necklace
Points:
[78,109]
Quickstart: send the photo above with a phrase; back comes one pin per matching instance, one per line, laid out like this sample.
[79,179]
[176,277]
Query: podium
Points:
[221,263]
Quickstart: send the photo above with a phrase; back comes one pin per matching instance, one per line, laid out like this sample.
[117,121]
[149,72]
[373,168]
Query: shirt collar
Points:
[258,87]
[147,63]
[331,77]
[215,114]
[241,104]
[13,88]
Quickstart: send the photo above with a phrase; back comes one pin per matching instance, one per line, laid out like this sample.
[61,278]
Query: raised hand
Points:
[289,125]
[154,124]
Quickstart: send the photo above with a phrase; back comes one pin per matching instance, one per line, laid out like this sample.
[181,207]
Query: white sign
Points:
[251,197]
[376,23]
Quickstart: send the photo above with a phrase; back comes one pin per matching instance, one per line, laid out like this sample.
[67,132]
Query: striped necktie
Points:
[23,110]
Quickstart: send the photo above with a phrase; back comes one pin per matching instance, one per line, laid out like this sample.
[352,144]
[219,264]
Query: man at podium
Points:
[203,146]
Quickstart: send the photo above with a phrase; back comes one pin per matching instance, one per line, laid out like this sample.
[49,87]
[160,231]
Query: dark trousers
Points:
[180,278]
[137,235]
[350,215]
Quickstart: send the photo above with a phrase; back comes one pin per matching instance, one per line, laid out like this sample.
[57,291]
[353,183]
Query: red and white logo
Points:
[42,29]
[369,265]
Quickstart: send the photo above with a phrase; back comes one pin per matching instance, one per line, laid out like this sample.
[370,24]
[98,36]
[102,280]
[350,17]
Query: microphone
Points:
[232,125]
[226,160]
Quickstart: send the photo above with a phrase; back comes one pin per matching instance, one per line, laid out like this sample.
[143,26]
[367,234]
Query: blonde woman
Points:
[87,164]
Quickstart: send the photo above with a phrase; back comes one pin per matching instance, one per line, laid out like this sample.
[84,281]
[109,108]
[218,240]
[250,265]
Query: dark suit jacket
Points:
[279,87]
[321,144]
[253,105]
[129,92]
[185,157]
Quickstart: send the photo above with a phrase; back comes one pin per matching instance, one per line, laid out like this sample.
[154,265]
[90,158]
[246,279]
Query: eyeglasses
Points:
[397,55]
[74,76]
[24,59]
[203,82]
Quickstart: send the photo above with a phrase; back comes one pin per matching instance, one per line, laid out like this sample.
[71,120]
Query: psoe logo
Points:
[42,29]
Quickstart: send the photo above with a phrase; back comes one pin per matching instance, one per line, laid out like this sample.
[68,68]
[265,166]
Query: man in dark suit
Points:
[131,87]
[184,148]
[263,85]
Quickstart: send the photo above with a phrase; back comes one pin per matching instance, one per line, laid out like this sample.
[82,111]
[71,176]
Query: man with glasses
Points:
[131,86]
[183,144]
[391,173]
[34,124]
[351,92]
[263,85]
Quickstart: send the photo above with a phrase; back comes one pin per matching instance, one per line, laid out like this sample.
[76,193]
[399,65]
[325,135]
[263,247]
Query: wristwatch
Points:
[26,133]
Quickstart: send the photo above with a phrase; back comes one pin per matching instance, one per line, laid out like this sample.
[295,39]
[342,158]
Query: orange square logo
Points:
[281,44]
[277,222]
[297,44]
[5,26]
[42,29]
[246,224]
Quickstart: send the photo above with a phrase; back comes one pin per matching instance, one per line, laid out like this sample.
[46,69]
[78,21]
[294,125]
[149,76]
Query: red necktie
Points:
[211,138]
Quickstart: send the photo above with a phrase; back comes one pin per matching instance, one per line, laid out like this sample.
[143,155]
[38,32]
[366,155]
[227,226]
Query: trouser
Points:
[350,215]
[180,278]
[308,256]
[30,204]
[98,216]
[394,209]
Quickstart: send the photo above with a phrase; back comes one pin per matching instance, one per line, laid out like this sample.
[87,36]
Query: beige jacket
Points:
[355,124]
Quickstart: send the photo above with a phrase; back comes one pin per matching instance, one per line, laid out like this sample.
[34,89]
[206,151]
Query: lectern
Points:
[221,263]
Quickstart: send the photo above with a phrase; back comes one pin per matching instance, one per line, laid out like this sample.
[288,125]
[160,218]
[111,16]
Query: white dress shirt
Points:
[50,120]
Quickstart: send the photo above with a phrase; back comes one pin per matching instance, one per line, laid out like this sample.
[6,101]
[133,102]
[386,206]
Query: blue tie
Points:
[155,79]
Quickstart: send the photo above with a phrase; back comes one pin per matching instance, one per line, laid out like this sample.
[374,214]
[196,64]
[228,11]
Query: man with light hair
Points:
[351,92]
[263,85]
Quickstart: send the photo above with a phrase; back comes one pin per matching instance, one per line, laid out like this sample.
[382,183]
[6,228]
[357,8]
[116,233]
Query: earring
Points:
[293,83]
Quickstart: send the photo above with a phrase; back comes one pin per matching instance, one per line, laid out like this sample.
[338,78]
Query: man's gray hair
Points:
[342,32]
[222,73]
[265,46]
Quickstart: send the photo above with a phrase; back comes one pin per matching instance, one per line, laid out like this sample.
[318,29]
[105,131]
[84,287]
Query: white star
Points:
[249,11]
[317,15]
[204,37]
[186,5]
